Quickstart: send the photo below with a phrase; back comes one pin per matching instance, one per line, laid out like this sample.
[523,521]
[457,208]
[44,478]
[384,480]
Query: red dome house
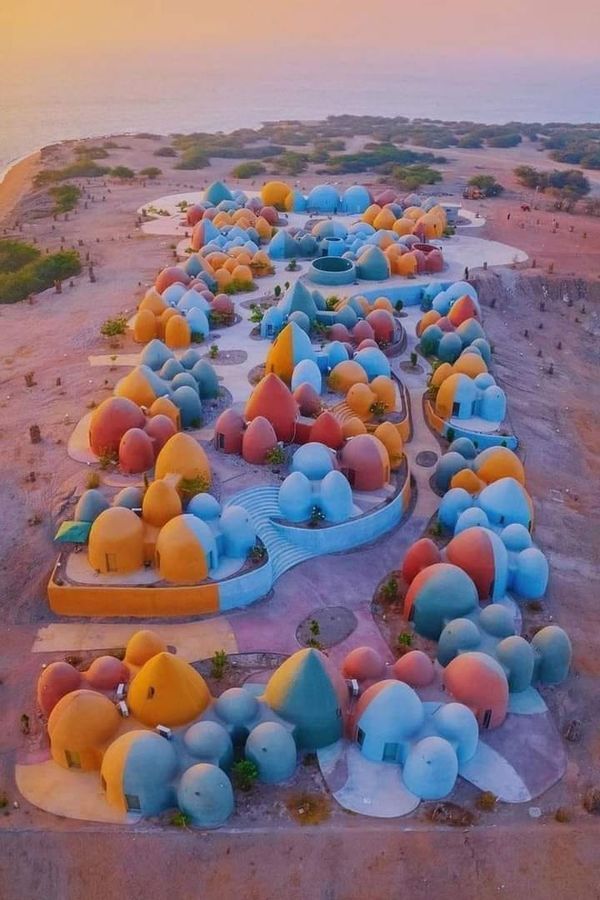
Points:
[273,399]
[110,421]
[229,431]
[365,463]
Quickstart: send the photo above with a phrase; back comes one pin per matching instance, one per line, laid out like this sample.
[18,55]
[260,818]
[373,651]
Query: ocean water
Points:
[75,98]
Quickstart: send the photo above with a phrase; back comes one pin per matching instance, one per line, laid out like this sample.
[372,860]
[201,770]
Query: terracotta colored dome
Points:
[270,215]
[194,214]
[445,324]
[434,262]
[273,399]
[229,431]
[224,304]
[171,275]
[419,555]
[258,439]
[159,429]
[368,342]
[382,323]
[339,332]
[363,663]
[110,421]
[308,400]
[327,430]
[106,672]
[142,646]
[482,555]
[414,668]
[56,680]
[362,331]
[462,309]
[136,451]
[478,681]
[365,462]
[386,196]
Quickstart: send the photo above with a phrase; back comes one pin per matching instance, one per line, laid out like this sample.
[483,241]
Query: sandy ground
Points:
[556,420]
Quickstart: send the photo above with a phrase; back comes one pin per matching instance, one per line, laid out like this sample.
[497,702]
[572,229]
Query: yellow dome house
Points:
[186,550]
[161,503]
[274,193]
[116,541]
[80,727]
[142,646]
[183,456]
[167,691]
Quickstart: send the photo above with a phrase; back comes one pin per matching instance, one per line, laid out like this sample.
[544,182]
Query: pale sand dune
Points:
[17,181]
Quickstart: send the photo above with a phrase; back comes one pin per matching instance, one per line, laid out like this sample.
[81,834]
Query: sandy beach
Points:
[17,181]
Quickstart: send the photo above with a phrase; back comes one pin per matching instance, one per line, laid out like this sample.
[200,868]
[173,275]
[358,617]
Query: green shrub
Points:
[193,159]
[37,275]
[113,327]
[218,664]
[245,774]
[165,151]
[124,173]
[249,169]
[275,456]
[16,254]
[487,184]
[82,168]
[151,172]
[65,197]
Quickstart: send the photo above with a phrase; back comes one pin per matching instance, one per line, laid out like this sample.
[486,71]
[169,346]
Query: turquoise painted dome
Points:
[271,747]
[314,460]
[431,768]
[237,706]
[205,795]
[209,742]
[295,498]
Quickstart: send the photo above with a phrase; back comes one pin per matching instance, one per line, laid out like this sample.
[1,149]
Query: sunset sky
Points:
[518,28]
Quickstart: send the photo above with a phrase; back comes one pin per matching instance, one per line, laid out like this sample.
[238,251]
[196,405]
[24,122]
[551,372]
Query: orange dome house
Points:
[162,406]
[290,347]
[384,390]
[229,431]
[365,463]
[470,364]
[389,436]
[327,430]
[142,646]
[110,421]
[171,275]
[145,327]
[137,386]
[136,451]
[462,309]
[364,664]
[177,333]
[273,400]
[345,374]
[406,265]
[152,302]
[183,456]
[185,550]
[116,541]
[498,462]
[353,426]
[161,503]
[273,193]
[429,318]
[259,438]
[80,727]
[360,398]
[55,681]
[167,691]
[479,681]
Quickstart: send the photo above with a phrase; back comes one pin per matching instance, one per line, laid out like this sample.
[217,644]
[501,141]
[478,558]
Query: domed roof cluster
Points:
[150,406]
[392,724]
[185,547]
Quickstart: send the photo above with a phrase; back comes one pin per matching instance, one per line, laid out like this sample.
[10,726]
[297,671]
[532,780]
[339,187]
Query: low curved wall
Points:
[481,440]
[353,533]
[410,294]
[332,270]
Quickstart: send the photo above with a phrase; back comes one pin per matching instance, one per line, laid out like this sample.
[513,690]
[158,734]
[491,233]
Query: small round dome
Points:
[205,795]
[415,669]
[516,537]
[142,646]
[271,747]
[56,680]
[431,768]
[313,460]
[457,724]
[204,506]
[209,742]
[106,672]
[364,664]
[496,620]
[237,706]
